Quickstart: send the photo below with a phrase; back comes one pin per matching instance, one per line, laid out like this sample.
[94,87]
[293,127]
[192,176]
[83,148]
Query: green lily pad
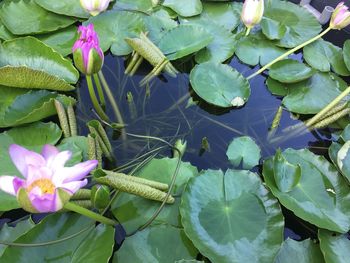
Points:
[185,7]
[64,7]
[5,34]
[335,247]
[305,251]
[134,211]
[220,85]
[114,26]
[158,24]
[346,53]
[51,228]
[184,40]
[290,71]
[232,217]
[255,48]
[20,106]
[62,40]
[33,137]
[289,24]
[277,88]
[244,150]
[139,5]
[312,95]
[152,245]
[324,56]
[321,196]
[343,160]
[24,17]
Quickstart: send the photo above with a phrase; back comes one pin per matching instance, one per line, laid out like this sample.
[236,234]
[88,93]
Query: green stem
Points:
[248,31]
[330,106]
[291,51]
[88,213]
[99,90]
[94,100]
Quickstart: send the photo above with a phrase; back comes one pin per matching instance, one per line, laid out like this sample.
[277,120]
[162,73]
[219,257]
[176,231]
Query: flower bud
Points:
[252,12]
[87,54]
[100,196]
[94,7]
[340,17]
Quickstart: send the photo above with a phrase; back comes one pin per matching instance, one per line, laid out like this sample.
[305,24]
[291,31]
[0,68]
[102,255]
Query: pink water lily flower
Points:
[94,7]
[87,53]
[340,17]
[47,184]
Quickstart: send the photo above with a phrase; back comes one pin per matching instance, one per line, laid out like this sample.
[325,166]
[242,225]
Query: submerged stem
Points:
[289,52]
[94,100]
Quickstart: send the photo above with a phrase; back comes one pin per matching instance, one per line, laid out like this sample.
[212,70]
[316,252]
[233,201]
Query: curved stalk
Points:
[290,52]
[94,100]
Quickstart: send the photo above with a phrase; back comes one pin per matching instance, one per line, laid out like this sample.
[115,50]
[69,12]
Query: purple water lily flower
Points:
[48,185]
[87,53]
[340,17]
[94,7]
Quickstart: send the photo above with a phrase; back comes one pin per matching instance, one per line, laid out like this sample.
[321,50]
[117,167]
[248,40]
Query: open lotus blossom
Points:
[94,7]
[340,17]
[47,184]
[252,12]
[87,54]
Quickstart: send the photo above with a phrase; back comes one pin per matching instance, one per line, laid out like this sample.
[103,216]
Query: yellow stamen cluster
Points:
[46,186]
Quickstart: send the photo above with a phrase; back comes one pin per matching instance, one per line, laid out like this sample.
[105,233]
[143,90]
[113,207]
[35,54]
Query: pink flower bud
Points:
[340,17]
[252,12]
[94,7]
[87,54]
[47,184]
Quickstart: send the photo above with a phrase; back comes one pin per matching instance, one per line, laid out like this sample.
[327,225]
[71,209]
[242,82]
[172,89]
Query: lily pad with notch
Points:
[184,7]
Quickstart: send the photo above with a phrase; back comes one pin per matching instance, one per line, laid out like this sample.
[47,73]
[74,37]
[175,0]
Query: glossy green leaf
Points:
[343,160]
[286,175]
[78,145]
[289,24]
[53,227]
[345,135]
[64,7]
[220,85]
[335,247]
[10,233]
[5,34]
[312,95]
[114,26]
[23,17]
[321,197]
[244,150]
[290,71]
[232,217]
[61,41]
[305,251]
[140,5]
[184,7]
[134,211]
[325,56]
[220,48]
[33,137]
[277,88]
[346,53]
[184,40]
[255,49]
[96,247]
[152,246]
[20,106]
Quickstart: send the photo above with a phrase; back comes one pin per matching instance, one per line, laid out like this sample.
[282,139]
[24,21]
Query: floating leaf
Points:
[134,211]
[335,247]
[184,7]
[152,245]
[244,150]
[312,95]
[343,160]
[157,25]
[232,217]
[305,251]
[255,48]
[64,7]
[140,5]
[277,88]
[24,17]
[114,26]
[290,71]
[321,197]
[324,56]
[289,24]
[184,40]
[220,84]
[33,137]
[5,34]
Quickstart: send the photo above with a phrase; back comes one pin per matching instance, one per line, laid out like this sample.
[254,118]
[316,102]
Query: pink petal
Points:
[10,184]
[49,152]
[37,173]
[44,203]
[22,157]
[73,187]
[75,173]
[59,160]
